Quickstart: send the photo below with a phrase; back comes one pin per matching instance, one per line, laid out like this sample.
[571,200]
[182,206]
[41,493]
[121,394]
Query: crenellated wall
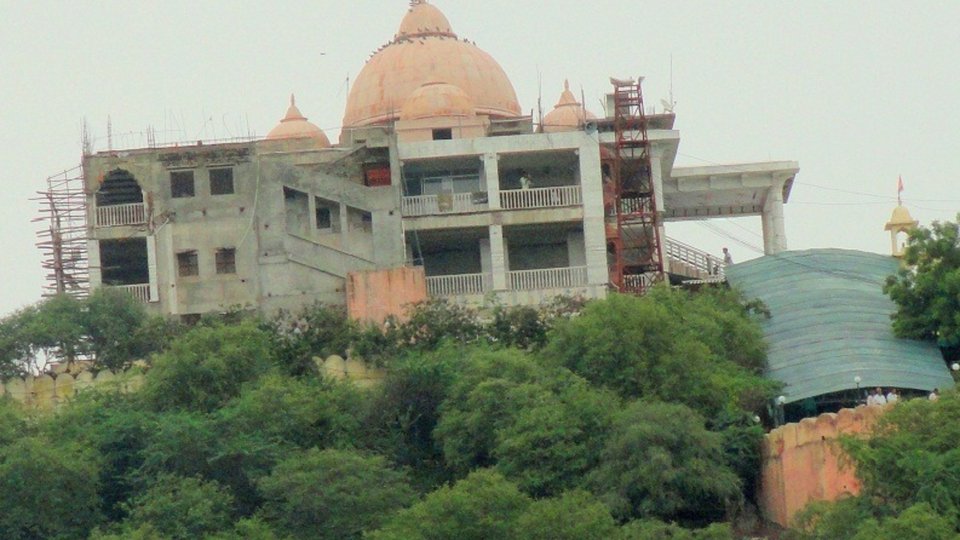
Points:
[802,462]
[46,391]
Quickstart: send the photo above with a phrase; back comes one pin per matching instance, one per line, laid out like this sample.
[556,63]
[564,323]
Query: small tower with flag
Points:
[900,224]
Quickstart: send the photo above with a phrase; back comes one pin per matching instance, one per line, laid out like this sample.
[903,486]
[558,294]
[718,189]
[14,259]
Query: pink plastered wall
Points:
[374,295]
[802,462]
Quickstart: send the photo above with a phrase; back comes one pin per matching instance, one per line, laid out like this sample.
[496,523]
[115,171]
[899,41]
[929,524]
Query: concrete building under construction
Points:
[439,185]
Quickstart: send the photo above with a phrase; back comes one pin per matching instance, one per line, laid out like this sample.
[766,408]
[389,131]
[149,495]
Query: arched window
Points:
[119,187]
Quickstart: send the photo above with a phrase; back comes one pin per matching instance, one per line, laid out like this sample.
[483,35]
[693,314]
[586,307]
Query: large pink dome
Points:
[426,50]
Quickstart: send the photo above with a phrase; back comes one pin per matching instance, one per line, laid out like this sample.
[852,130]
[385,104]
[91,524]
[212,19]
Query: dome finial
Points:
[293,100]
[566,84]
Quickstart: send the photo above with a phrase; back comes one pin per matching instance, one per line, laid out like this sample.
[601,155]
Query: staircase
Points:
[691,264]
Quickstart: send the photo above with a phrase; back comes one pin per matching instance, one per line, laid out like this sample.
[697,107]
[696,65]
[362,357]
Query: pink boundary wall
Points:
[802,462]
[374,295]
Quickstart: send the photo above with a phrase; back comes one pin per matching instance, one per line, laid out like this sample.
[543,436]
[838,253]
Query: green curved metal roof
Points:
[831,322]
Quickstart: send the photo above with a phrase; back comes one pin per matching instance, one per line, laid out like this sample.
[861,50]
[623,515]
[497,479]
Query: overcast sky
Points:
[856,92]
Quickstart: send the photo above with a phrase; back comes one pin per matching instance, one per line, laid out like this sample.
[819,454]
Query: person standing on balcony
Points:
[524,180]
[727,258]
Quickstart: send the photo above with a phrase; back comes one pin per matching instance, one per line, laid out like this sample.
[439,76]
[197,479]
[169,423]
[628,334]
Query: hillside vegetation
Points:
[630,418]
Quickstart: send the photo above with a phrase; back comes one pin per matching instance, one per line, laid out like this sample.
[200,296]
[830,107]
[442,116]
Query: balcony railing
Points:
[445,203]
[121,214]
[699,261]
[548,278]
[140,291]
[458,284]
[546,197]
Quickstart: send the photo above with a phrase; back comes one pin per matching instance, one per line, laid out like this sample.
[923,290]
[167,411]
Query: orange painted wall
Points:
[374,295]
[802,462]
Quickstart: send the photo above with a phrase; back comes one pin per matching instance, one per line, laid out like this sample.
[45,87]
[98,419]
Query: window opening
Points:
[188,264]
[221,181]
[124,262]
[119,187]
[226,261]
[181,184]
[445,134]
[327,215]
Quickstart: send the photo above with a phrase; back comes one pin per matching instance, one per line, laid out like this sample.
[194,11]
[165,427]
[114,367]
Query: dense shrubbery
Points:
[624,421]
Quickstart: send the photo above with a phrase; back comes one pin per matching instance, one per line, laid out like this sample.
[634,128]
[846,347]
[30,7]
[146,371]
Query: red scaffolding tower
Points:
[633,240]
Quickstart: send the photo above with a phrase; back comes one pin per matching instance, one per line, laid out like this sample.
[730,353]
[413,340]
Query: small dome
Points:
[295,126]
[901,218]
[437,99]
[423,19]
[568,115]
[426,49]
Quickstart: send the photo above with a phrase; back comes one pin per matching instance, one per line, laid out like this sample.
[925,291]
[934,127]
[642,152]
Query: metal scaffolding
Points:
[63,241]
[634,240]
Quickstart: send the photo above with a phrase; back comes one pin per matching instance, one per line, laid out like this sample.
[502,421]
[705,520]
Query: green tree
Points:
[555,435]
[336,494]
[207,367]
[912,456]
[490,387]
[652,529]
[575,515]
[650,347]
[482,506]
[182,508]
[661,462]
[118,330]
[47,490]
[918,521]
[927,289]
[433,321]
[403,412]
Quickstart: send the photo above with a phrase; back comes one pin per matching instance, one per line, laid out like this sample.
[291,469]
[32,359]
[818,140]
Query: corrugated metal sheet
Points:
[831,322]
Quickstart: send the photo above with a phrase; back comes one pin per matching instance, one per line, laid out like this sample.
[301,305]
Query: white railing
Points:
[546,197]
[140,291]
[700,261]
[548,278]
[447,203]
[458,284]
[121,214]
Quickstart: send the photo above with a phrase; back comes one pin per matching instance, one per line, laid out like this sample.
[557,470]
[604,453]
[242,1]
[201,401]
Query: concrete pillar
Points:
[491,175]
[594,228]
[656,176]
[93,254]
[774,232]
[152,268]
[498,258]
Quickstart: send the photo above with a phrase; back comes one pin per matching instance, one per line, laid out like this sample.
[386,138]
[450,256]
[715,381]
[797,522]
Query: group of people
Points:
[877,397]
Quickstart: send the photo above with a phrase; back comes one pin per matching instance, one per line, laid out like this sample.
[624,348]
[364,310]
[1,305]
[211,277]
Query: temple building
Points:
[439,186]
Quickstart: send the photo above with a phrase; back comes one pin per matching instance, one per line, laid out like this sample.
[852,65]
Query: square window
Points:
[221,181]
[188,264]
[442,134]
[227,261]
[181,184]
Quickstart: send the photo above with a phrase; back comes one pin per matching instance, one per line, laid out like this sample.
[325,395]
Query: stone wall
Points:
[802,462]
[47,391]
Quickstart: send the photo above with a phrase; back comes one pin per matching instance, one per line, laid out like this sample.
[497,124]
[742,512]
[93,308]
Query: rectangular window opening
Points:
[221,181]
[181,184]
[227,261]
[443,134]
[188,264]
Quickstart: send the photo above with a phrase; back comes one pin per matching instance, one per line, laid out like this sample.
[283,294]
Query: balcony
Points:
[140,291]
[121,215]
[546,197]
[445,203]
[457,285]
[547,278]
